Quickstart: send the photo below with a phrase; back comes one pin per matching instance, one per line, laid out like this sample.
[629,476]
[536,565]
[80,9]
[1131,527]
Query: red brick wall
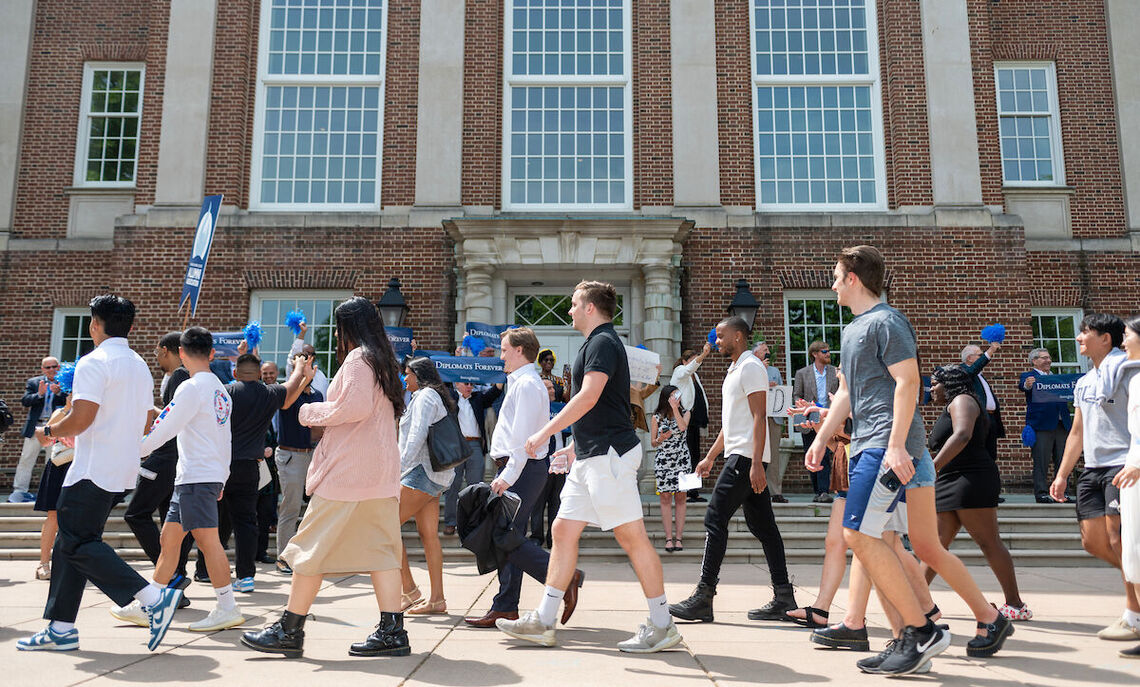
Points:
[401,93]
[68,33]
[906,133]
[232,101]
[1073,34]
[734,104]
[483,104]
[652,104]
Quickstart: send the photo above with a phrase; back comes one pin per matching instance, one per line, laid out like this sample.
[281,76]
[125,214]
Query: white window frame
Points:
[83,134]
[1054,123]
[58,318]
[531,81]
[874,80]
[1077,314]
[801,294]
[264,80]
[258,296]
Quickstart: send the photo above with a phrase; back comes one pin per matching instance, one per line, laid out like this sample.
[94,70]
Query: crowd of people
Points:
[233,452]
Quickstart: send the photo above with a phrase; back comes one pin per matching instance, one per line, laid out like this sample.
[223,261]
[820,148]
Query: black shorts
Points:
[1096,497]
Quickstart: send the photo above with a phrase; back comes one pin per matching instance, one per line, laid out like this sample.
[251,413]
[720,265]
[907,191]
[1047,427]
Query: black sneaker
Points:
[916,648]
[871,665]
[996,634]
[842,637]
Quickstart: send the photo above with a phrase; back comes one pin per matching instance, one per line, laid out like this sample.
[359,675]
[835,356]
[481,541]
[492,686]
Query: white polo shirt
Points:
[745,376]
[107,452]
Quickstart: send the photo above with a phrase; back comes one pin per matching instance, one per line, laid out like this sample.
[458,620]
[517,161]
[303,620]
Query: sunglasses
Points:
[825,352]
[49,367]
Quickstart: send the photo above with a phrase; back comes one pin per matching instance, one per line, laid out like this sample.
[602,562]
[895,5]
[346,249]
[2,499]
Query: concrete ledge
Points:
[64,245]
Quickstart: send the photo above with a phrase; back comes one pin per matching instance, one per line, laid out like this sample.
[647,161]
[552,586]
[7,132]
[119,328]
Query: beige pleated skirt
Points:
[343,537]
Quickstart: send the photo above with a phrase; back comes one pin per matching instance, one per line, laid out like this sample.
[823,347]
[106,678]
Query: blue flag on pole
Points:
[203,239]
[470,369]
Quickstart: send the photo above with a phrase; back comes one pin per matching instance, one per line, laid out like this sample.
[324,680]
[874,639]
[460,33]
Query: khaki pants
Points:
[774,471]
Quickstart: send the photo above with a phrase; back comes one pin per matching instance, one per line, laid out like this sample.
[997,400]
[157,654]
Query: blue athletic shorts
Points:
[871,507]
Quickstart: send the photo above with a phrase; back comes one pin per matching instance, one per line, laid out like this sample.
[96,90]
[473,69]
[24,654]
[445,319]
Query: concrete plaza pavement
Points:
[1058,647]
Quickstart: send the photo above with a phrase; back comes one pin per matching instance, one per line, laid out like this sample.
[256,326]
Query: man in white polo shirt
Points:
[111,397]
[747,447]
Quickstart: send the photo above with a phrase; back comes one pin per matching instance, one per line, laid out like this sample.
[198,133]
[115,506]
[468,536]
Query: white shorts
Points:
[602,490]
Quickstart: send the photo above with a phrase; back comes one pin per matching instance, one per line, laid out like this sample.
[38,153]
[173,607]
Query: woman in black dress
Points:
[966,493]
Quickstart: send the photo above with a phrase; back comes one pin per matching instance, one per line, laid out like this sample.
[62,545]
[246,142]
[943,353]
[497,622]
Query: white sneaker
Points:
[131,613]
[218,619]
[650,639]
[528,628]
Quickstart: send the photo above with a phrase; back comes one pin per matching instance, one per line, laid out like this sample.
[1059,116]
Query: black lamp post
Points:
[744,303]
[392,307]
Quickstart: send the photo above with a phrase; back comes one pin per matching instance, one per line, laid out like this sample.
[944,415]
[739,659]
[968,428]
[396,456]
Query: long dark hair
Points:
[663,407]
[428,376]
[1133,323]
[358,324]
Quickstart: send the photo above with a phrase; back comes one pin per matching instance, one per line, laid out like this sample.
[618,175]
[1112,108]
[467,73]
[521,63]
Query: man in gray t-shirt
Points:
[872,343]
[878,386]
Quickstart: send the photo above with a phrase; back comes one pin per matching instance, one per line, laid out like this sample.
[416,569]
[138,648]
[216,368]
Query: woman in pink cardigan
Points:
[352,523]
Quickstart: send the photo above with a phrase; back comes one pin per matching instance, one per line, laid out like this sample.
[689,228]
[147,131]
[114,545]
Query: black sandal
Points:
[669,548]
[677,545]
[808,620]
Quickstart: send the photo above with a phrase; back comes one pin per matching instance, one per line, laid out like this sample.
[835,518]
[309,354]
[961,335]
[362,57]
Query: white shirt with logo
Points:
[199,414]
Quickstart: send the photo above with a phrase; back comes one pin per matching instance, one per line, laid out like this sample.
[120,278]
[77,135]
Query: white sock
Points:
[548,607]
[659,611]
[1132,618]
[149,595]
[61,627]
[225,597]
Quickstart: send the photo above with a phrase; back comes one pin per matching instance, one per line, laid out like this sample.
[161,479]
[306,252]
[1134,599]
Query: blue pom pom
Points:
[712,338]
[403,381]
[995,333]
[475,344]
[1028,436]
[642,347]
[65,377]
[253,334]
[293,320]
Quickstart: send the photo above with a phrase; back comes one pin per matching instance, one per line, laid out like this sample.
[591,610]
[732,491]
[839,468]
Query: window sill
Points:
[1069,190]
[99,190]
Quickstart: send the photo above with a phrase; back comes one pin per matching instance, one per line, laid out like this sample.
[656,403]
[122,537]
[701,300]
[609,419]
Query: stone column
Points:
[440,106]
[955,174]
[657,335]
[479,304]
[1124,36]
[181,177]
[17,17]
[696,165]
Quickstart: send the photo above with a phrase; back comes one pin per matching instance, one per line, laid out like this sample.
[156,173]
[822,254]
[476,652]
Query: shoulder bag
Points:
[446,445]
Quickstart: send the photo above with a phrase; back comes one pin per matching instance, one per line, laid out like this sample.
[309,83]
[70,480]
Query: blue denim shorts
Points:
[871,507]
[417,479]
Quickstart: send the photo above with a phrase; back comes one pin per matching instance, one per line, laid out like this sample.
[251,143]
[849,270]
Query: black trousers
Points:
[732,491]
[820,481]
[80,555]
[546,508]
[530,558]
[267,510]
[154,495]
[693,439]
[239,503]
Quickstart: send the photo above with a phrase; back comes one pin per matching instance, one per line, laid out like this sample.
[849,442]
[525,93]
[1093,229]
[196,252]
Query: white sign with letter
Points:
[643,365]
[779,400]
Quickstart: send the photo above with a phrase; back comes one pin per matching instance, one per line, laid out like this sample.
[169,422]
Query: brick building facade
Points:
[491,154]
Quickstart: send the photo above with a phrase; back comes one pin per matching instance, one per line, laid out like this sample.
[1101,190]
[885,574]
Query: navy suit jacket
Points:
[35,404]
[1043,417]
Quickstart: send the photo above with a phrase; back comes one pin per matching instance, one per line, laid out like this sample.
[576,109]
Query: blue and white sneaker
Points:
[21,497]
[161,615]
[245,584]
[48,639]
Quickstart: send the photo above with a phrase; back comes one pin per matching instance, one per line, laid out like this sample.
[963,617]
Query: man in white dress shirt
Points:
[525,410]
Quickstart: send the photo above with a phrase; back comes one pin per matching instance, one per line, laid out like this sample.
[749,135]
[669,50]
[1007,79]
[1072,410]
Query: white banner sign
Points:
[779,400]
[642,365]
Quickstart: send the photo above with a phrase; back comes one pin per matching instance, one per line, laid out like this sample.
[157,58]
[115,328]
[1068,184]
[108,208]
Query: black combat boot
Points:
[774,609]
[286,636]
[699,606]
[389,639]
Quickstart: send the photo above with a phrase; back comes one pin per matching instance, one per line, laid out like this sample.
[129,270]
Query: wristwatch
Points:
[47,430]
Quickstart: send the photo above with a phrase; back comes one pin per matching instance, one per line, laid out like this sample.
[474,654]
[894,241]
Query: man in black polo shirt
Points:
[601,488]
[254,404]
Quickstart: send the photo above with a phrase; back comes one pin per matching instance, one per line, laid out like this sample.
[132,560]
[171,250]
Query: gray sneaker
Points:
[528,628]
[650,639]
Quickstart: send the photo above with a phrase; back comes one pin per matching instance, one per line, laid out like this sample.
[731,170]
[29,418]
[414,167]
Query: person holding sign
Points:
[744,441]
[1050,423]
[601,488]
